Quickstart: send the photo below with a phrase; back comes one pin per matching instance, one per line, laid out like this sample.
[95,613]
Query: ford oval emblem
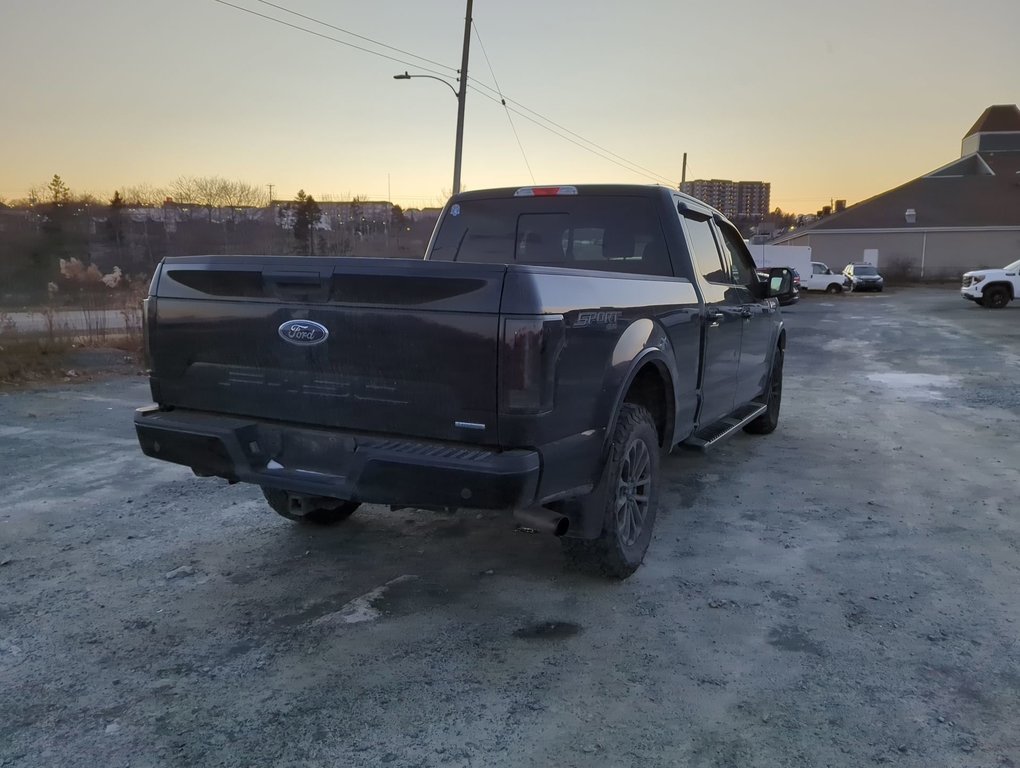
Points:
[304,333]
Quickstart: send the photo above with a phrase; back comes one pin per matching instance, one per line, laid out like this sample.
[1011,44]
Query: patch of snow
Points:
[921,386]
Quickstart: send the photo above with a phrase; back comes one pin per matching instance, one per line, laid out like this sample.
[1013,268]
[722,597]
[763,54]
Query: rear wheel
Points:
[627,498]
[315,511]
[834,288]
[996,298]
[768,421]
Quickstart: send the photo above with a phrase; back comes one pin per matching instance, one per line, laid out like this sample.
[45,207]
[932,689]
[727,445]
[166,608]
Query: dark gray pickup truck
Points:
[553,343]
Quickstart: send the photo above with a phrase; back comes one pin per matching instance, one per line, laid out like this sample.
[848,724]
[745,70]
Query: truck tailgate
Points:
[380,345]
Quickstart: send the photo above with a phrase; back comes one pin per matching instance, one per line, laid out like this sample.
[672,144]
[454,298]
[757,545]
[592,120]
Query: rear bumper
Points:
[320,462]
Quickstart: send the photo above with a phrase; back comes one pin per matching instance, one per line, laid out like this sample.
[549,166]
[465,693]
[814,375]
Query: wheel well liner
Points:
[652,388]
[1000,284]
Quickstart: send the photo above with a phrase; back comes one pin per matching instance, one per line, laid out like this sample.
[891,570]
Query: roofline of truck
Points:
[642,190]
[590,190]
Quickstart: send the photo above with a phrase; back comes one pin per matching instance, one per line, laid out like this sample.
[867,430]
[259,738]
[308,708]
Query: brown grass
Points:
[41,356]
[24,360]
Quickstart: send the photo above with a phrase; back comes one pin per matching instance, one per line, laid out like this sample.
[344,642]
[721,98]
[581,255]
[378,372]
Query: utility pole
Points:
[461,100]
[270,192]
[683,175]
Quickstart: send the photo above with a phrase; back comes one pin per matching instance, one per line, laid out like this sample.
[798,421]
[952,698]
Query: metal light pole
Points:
[461,94]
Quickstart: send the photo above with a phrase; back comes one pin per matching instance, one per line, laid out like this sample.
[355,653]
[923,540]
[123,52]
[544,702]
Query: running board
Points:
[723,428]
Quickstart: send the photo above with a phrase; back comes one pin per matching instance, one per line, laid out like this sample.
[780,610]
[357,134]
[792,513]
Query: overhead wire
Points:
[650,175]
[503,100]
[355,34]
[476,85]
[647,171]
[328,37]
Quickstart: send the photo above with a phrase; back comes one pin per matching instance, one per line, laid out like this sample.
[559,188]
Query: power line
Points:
[599,150]
[648,171]
[355,34]
[328,37]
[651,175]
[503,101]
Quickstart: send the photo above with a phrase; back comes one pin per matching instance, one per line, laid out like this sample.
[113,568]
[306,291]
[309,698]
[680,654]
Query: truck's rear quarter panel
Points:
[609,320]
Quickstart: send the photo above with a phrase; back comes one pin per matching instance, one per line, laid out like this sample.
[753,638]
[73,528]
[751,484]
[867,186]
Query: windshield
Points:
[1014,267]
[865,271]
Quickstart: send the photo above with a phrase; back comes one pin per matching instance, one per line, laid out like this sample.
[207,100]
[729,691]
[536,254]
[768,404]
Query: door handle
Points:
[714,317]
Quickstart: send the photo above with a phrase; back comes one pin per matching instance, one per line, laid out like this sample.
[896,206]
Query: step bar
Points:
[720,430]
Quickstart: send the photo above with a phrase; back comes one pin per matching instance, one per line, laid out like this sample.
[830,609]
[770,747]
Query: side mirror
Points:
[780,283]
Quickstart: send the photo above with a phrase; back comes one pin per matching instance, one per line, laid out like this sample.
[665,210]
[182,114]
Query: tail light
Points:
[544,191]
[149,317]
[148,314]
[529,353]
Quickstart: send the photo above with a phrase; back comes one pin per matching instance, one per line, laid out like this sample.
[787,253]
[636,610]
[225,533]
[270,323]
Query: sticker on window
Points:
[455,209]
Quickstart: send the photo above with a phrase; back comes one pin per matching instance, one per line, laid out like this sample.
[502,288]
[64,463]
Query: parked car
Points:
[553,343]
[992,288]
[821,278]
[863,277]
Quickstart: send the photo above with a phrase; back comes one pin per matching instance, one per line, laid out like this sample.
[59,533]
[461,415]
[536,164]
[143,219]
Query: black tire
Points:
[834,288]
[768,421]
[628,515]
[995,298]
[335,512]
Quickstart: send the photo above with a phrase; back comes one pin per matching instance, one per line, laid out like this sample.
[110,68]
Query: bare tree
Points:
[36,194]
[241,194]
[144,195]
[216,192]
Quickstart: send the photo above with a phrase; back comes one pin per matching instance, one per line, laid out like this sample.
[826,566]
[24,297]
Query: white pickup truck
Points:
[821,278]
[992,288]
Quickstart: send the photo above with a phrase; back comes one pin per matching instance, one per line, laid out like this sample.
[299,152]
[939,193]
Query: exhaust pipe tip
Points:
[542,520]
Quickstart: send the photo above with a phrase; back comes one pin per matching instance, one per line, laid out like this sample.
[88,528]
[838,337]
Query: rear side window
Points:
[705,251]
[617,234]
[737,255]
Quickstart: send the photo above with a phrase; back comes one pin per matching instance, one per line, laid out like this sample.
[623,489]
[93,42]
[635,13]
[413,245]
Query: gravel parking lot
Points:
[840,593]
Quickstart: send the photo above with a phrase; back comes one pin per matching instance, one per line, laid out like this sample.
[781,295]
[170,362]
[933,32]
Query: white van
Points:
[821,278]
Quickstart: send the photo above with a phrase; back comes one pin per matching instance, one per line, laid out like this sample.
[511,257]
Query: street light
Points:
[461,95]
[408,76]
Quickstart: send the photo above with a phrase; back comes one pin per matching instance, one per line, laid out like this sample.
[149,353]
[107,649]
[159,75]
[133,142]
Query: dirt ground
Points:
[840,593]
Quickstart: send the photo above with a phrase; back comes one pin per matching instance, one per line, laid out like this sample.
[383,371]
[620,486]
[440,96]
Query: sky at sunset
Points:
[824,100]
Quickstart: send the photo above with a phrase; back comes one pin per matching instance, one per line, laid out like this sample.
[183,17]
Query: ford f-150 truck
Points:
[550,347]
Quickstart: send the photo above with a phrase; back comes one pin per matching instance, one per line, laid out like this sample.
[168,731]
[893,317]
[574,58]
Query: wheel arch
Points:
[650,382]
[1005,284]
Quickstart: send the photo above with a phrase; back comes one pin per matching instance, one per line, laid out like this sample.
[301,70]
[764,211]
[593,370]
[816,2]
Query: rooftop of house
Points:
[998,118]
[980,189]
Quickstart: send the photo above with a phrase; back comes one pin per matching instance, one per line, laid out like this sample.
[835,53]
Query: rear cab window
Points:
[607,233]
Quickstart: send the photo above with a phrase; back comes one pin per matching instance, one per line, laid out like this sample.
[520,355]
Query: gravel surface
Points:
[840,593]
